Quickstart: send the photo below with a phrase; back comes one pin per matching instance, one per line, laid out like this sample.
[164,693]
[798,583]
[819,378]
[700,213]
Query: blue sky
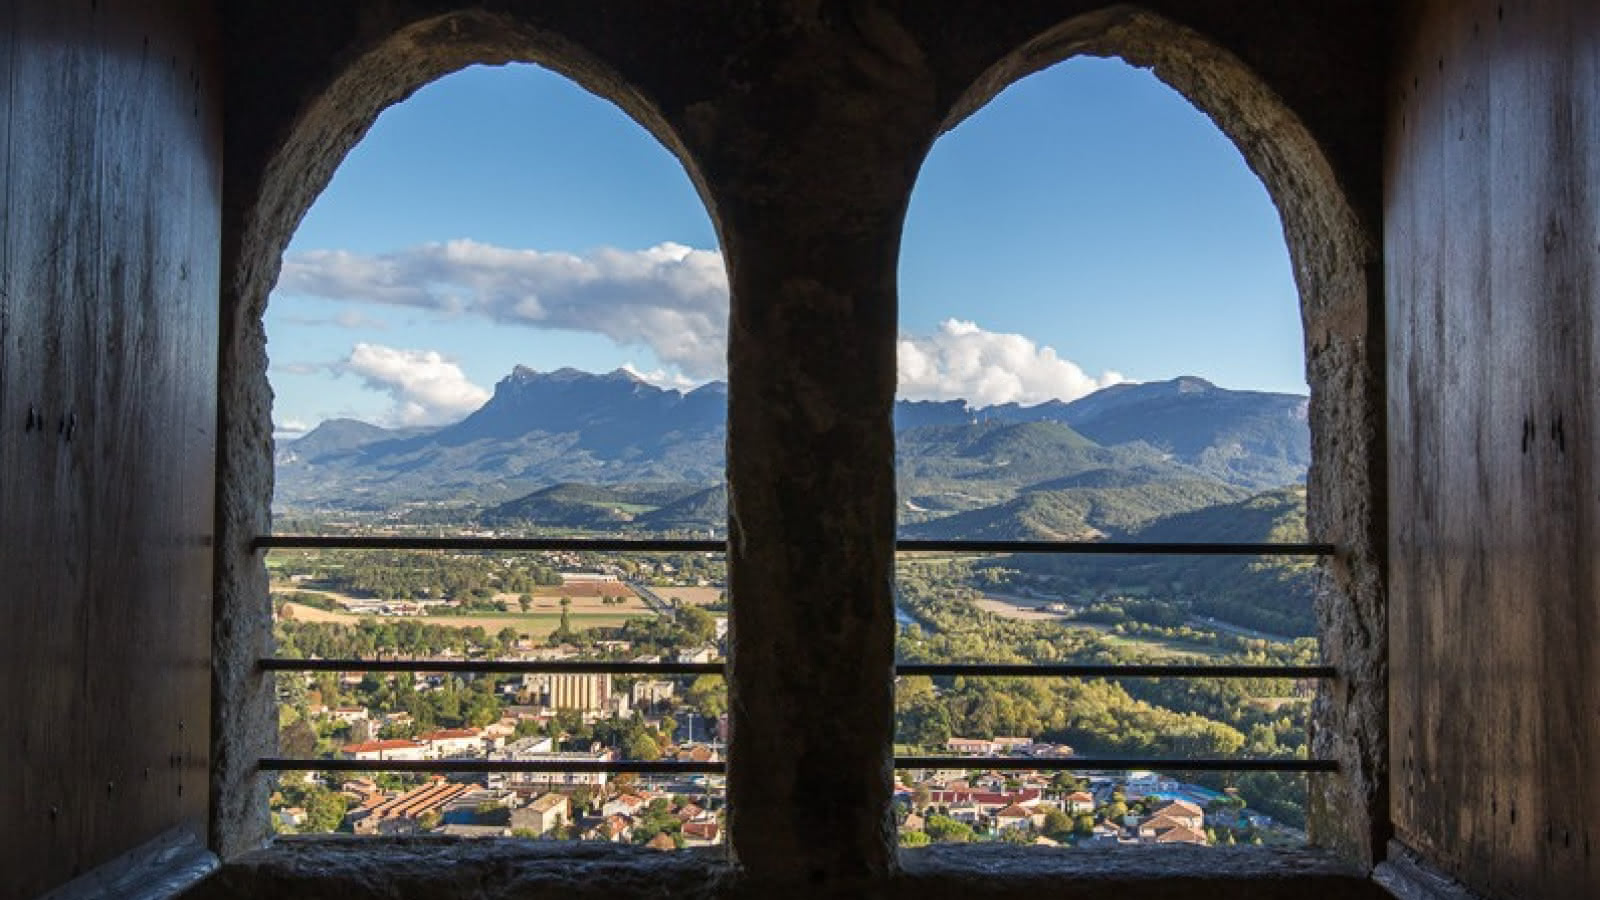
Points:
[1087,226]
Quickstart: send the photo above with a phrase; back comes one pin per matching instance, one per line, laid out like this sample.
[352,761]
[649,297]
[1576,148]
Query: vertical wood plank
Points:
[107,413]
[1491,248]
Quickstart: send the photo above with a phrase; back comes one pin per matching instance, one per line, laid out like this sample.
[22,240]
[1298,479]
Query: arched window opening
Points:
[504,320]
[1100,343]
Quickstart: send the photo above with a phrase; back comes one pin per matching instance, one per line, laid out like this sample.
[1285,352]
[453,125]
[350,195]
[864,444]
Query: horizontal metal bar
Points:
[575,766]
[1182,548]
[1112,670]
[1112,763]
[668,545]
[976,670]
[386,542]
[674,767]
[281,664]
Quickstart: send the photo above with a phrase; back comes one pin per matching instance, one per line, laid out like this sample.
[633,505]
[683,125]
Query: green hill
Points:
[585,506]
[1078,513]
[705,510]
[1270,594]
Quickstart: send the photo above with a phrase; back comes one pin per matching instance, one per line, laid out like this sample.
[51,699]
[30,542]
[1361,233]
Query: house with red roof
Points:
[395,748]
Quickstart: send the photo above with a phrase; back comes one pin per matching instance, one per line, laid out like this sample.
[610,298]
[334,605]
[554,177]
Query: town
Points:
[653,608]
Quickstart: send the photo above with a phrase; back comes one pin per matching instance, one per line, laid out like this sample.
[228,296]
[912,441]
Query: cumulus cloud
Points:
[661,378]
[426,388]
[963,361]
[670,298]
[289,429]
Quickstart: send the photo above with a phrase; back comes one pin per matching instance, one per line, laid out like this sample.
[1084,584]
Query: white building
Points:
[389,749]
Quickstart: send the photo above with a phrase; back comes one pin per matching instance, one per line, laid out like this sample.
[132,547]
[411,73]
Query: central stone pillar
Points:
[808,169]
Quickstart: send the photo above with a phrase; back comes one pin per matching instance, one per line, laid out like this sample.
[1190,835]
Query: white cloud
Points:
[426,388]
[661,378]
[670,298]
[963,361]
[289,429]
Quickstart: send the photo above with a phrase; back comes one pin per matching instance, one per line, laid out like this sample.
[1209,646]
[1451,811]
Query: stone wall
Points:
[803,125]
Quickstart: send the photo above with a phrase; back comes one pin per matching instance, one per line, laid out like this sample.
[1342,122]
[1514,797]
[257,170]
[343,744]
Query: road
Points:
[1210,624]
[650,597]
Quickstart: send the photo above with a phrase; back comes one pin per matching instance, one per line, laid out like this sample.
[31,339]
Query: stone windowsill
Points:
[347,868]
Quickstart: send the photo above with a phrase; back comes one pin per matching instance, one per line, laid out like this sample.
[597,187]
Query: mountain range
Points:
[570,449]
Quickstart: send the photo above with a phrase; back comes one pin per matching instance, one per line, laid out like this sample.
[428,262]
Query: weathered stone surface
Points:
[803,125]
[457,869]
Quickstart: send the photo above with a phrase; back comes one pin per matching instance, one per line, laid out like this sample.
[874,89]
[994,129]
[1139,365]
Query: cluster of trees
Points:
[685,628]
[418,575]
[1268,594]
[324,808]
[371,637]
[1126,716]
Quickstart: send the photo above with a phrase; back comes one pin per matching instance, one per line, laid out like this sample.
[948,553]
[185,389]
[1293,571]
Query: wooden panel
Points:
[107,419]
[1490,246]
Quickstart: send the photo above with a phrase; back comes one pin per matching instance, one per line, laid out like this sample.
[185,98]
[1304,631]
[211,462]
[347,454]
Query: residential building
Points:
[1079,802]
[584,692]
[403,814]
[649,692]
[453,742]
[395,748]
[544,815]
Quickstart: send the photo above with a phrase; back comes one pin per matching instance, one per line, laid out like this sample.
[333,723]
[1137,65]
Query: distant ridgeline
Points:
[572,451]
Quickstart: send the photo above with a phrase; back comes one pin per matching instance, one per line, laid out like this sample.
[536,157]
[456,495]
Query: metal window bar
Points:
[1073,763]
[488,666]
[478,766]
[674,767]
[670,545]
[978,670]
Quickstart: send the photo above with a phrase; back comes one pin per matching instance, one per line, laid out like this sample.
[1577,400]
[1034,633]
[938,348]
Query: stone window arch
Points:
[276,171]
[801,126]
[1333,255]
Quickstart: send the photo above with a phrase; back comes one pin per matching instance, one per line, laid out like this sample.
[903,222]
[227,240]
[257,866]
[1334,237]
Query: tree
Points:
[946,830]
[298,738]
[1016,836]
[327,688]
[641,746]
[914,839]
[563,632]
[700,625]
[481,710]
[582,796]
[324,811]
[526,602]
[1057,824]
[1066,781]
[707,695]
